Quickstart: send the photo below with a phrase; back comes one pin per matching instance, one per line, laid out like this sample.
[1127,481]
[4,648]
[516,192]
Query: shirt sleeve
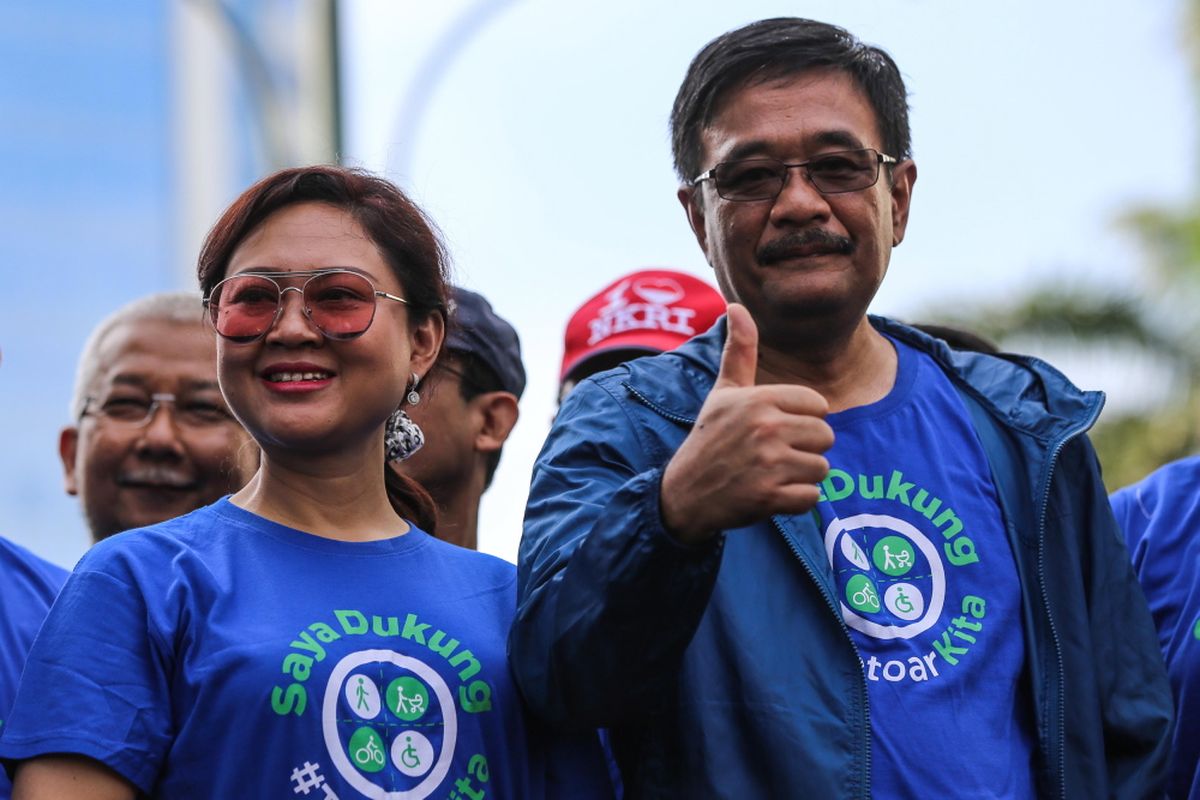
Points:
[607,600]
[95,683]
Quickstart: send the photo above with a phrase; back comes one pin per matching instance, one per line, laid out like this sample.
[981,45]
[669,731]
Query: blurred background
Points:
[1056,209]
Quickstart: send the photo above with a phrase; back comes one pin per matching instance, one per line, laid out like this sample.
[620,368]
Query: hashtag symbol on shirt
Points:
[307,778]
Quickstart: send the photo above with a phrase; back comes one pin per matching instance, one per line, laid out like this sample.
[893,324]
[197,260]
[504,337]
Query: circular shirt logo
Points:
[891,576]
[390,724]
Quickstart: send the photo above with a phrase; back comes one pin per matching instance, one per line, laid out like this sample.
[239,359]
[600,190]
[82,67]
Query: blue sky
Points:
[537,139]
[543,151]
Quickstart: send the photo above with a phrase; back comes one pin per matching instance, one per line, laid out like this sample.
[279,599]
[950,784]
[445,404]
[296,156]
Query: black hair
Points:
[780,48]
[958,338]
[405,236]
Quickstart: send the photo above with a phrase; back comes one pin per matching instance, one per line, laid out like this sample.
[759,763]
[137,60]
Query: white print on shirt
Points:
[397,738]
[308,777]
[390,722]
[917,601]
[893,576]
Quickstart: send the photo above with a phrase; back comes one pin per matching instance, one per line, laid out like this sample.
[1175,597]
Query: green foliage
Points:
[1161,321]
[1171,240]
[1132,446]
[1052,319]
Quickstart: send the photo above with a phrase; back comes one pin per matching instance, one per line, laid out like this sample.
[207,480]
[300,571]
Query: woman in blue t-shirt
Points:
[303,636]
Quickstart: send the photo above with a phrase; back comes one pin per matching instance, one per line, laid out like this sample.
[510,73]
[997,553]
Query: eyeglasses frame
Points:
[311,274]
[157,400]
[710,174]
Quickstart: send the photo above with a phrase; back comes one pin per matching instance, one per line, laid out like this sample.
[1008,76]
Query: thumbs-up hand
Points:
[754,451]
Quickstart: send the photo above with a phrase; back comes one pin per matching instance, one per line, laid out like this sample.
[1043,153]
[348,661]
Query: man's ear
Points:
[498,415]
[904,175]
[691,199]
[68,445]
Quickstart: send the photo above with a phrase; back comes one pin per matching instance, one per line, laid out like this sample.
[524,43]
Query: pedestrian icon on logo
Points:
[854,553]
[362,696]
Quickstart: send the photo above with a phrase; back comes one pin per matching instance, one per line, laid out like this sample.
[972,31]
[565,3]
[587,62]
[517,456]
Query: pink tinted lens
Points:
[340,304]
[244,307]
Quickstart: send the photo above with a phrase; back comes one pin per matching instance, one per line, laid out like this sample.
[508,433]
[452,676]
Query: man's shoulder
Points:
[142,555]
[19,565]
[1022,392]
[1174,484]
[480,570]
[1182,476]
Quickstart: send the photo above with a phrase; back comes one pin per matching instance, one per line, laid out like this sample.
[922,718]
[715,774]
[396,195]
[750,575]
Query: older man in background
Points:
[152,438]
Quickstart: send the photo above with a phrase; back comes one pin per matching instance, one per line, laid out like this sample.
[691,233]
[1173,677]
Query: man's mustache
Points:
[811,242]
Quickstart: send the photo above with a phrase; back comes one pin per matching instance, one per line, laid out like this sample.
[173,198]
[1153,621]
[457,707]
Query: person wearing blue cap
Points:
[472,406]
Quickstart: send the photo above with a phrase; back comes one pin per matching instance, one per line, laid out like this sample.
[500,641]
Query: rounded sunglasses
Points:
[339,302]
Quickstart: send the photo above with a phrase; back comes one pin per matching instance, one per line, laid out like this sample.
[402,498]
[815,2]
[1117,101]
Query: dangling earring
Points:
[413,396]
[402,437]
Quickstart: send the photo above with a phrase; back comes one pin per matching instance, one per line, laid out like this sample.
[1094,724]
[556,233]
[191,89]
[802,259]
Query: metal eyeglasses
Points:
[751,179]
[339,302]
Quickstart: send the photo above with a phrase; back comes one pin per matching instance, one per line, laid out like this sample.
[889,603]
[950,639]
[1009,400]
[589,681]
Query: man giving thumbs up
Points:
[935,603]
[754,451]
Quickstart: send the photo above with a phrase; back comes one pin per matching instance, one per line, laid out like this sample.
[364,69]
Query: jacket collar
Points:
[1023,392]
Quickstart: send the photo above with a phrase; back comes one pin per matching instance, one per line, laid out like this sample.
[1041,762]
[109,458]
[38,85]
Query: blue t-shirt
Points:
[224,655]
[1161,520]
[929,590]
[28,585]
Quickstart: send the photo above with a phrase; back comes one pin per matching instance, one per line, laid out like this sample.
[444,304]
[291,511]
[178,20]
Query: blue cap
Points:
[476,329]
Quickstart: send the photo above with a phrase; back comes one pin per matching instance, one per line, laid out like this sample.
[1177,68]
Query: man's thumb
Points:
[739,361]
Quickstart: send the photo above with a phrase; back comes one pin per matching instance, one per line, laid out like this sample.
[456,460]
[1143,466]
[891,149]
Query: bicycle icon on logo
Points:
[861,593]
[368,754]
[866,598]
[366,750]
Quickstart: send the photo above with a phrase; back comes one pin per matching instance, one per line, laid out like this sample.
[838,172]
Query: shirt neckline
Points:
[413,539]
[907,367]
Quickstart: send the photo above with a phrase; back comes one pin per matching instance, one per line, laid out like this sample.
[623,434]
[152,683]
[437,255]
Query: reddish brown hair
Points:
[405,236]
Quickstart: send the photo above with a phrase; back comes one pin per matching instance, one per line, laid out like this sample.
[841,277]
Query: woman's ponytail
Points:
[410,500]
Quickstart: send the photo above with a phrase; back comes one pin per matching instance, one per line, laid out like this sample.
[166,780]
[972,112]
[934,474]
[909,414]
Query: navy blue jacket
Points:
[726,670]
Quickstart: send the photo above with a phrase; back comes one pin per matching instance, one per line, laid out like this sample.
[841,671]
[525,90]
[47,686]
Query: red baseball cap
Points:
[651,310]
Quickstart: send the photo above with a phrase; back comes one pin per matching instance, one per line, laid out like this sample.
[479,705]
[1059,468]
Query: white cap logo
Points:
[654,313]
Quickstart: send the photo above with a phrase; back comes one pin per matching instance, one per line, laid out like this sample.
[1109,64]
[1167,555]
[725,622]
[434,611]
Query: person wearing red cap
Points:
[645,312]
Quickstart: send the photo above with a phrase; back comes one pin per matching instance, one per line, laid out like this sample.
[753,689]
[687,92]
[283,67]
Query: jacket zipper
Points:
[862,686]
[1042,511]
[837,613]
